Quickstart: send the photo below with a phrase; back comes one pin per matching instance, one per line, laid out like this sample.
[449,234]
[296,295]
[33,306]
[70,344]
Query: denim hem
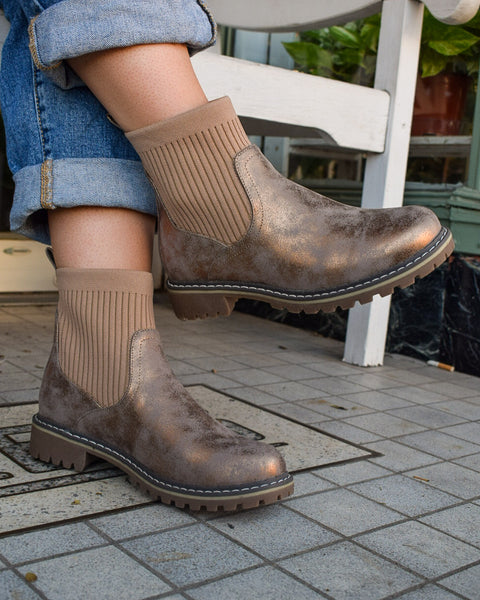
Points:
[66,183]
[75,27]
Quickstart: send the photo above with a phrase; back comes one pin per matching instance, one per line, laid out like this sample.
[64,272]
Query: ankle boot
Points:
[231,226]
[153,430]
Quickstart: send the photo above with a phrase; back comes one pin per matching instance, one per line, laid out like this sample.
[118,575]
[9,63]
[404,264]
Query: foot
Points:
[158,435]
[232,227]
[302,251]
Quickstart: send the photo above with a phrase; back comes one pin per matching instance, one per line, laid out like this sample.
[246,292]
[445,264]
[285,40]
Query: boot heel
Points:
[200,306]
[51,447]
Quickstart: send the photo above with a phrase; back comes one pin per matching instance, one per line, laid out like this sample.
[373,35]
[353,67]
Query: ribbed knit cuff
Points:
[190,162]
[98,312]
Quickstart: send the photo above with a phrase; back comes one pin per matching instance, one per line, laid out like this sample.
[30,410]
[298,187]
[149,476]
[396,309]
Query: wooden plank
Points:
[384,180]
[453,12]
[433,145]
[276,101]
[285,15]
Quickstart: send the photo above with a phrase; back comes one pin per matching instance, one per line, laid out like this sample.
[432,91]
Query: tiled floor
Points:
[401,520]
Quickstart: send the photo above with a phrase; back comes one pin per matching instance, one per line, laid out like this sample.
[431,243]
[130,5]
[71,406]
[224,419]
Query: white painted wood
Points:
[454,12]
[275,101]
[384,180]
[367,333]
[24,266]
[286,15]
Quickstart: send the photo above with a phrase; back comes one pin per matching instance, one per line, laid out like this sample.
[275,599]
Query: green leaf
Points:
[309,55]
[369,35]
[454,42]
[432,63]
[350,39]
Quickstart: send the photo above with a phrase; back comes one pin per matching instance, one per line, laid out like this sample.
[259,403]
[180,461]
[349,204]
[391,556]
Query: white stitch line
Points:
[250,288]
[154,479]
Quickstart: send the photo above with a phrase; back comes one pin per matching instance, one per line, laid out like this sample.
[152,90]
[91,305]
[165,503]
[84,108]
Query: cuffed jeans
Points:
[62,149]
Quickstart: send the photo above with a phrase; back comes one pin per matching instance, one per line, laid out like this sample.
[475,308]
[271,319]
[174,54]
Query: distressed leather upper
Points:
[159,424]
[298,239]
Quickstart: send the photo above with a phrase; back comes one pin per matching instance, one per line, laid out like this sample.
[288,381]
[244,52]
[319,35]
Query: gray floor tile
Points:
[347,572]
[332,368]
[373,382]
[13,587]
[352,472]
[404,494]
[252,395]
[451,478]
[335,407]
[451,390]
[211,379]
[191,555]
[344,511]
[94,574]
[429,592]
[184,351]
[21,396]
[462,408]
[274,532]
[416,377]
[472,462]
[379,400]
[19,381]
[335,386]
[468,431]
[462,522]
[306,483]
[290,391]
[140,521]
[398,457]
[349,432]
[384,424]
[48,542]
[417,395]
[439,444]
[266,583]
[253,377]
[465,583]
[427,416]
[180,368]
[297,412]
[293,372]
[219,363]
[421,548]
[253,359]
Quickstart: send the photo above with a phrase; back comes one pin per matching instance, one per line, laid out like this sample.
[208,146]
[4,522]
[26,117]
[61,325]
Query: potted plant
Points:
[449,57]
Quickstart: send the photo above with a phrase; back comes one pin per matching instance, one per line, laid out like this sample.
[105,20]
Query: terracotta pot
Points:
[439,104]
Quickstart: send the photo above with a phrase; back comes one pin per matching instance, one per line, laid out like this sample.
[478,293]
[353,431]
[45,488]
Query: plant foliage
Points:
[348,53]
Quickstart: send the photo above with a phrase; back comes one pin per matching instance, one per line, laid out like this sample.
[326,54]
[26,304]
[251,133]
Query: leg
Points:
[102,238]
[161,82]
[261,236]
[107,390]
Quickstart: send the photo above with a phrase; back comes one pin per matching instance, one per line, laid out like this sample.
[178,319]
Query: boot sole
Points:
[211,299]
[59,446]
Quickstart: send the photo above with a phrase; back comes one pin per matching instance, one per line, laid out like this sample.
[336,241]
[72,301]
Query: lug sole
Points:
[61,447]
[202,300]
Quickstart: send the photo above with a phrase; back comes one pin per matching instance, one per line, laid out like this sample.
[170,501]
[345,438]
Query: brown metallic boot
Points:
[231,226]
[153,430]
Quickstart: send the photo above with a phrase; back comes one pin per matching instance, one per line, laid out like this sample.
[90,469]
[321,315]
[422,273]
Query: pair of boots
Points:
[230,226]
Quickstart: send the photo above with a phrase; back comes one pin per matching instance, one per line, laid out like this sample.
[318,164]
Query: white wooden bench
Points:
[275,101]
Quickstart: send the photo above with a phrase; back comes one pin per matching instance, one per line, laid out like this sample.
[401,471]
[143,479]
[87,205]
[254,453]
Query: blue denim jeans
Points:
[62,149]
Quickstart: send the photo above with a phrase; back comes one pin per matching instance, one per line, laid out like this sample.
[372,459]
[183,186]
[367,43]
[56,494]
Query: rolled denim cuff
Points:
[71,28]
[71,182]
